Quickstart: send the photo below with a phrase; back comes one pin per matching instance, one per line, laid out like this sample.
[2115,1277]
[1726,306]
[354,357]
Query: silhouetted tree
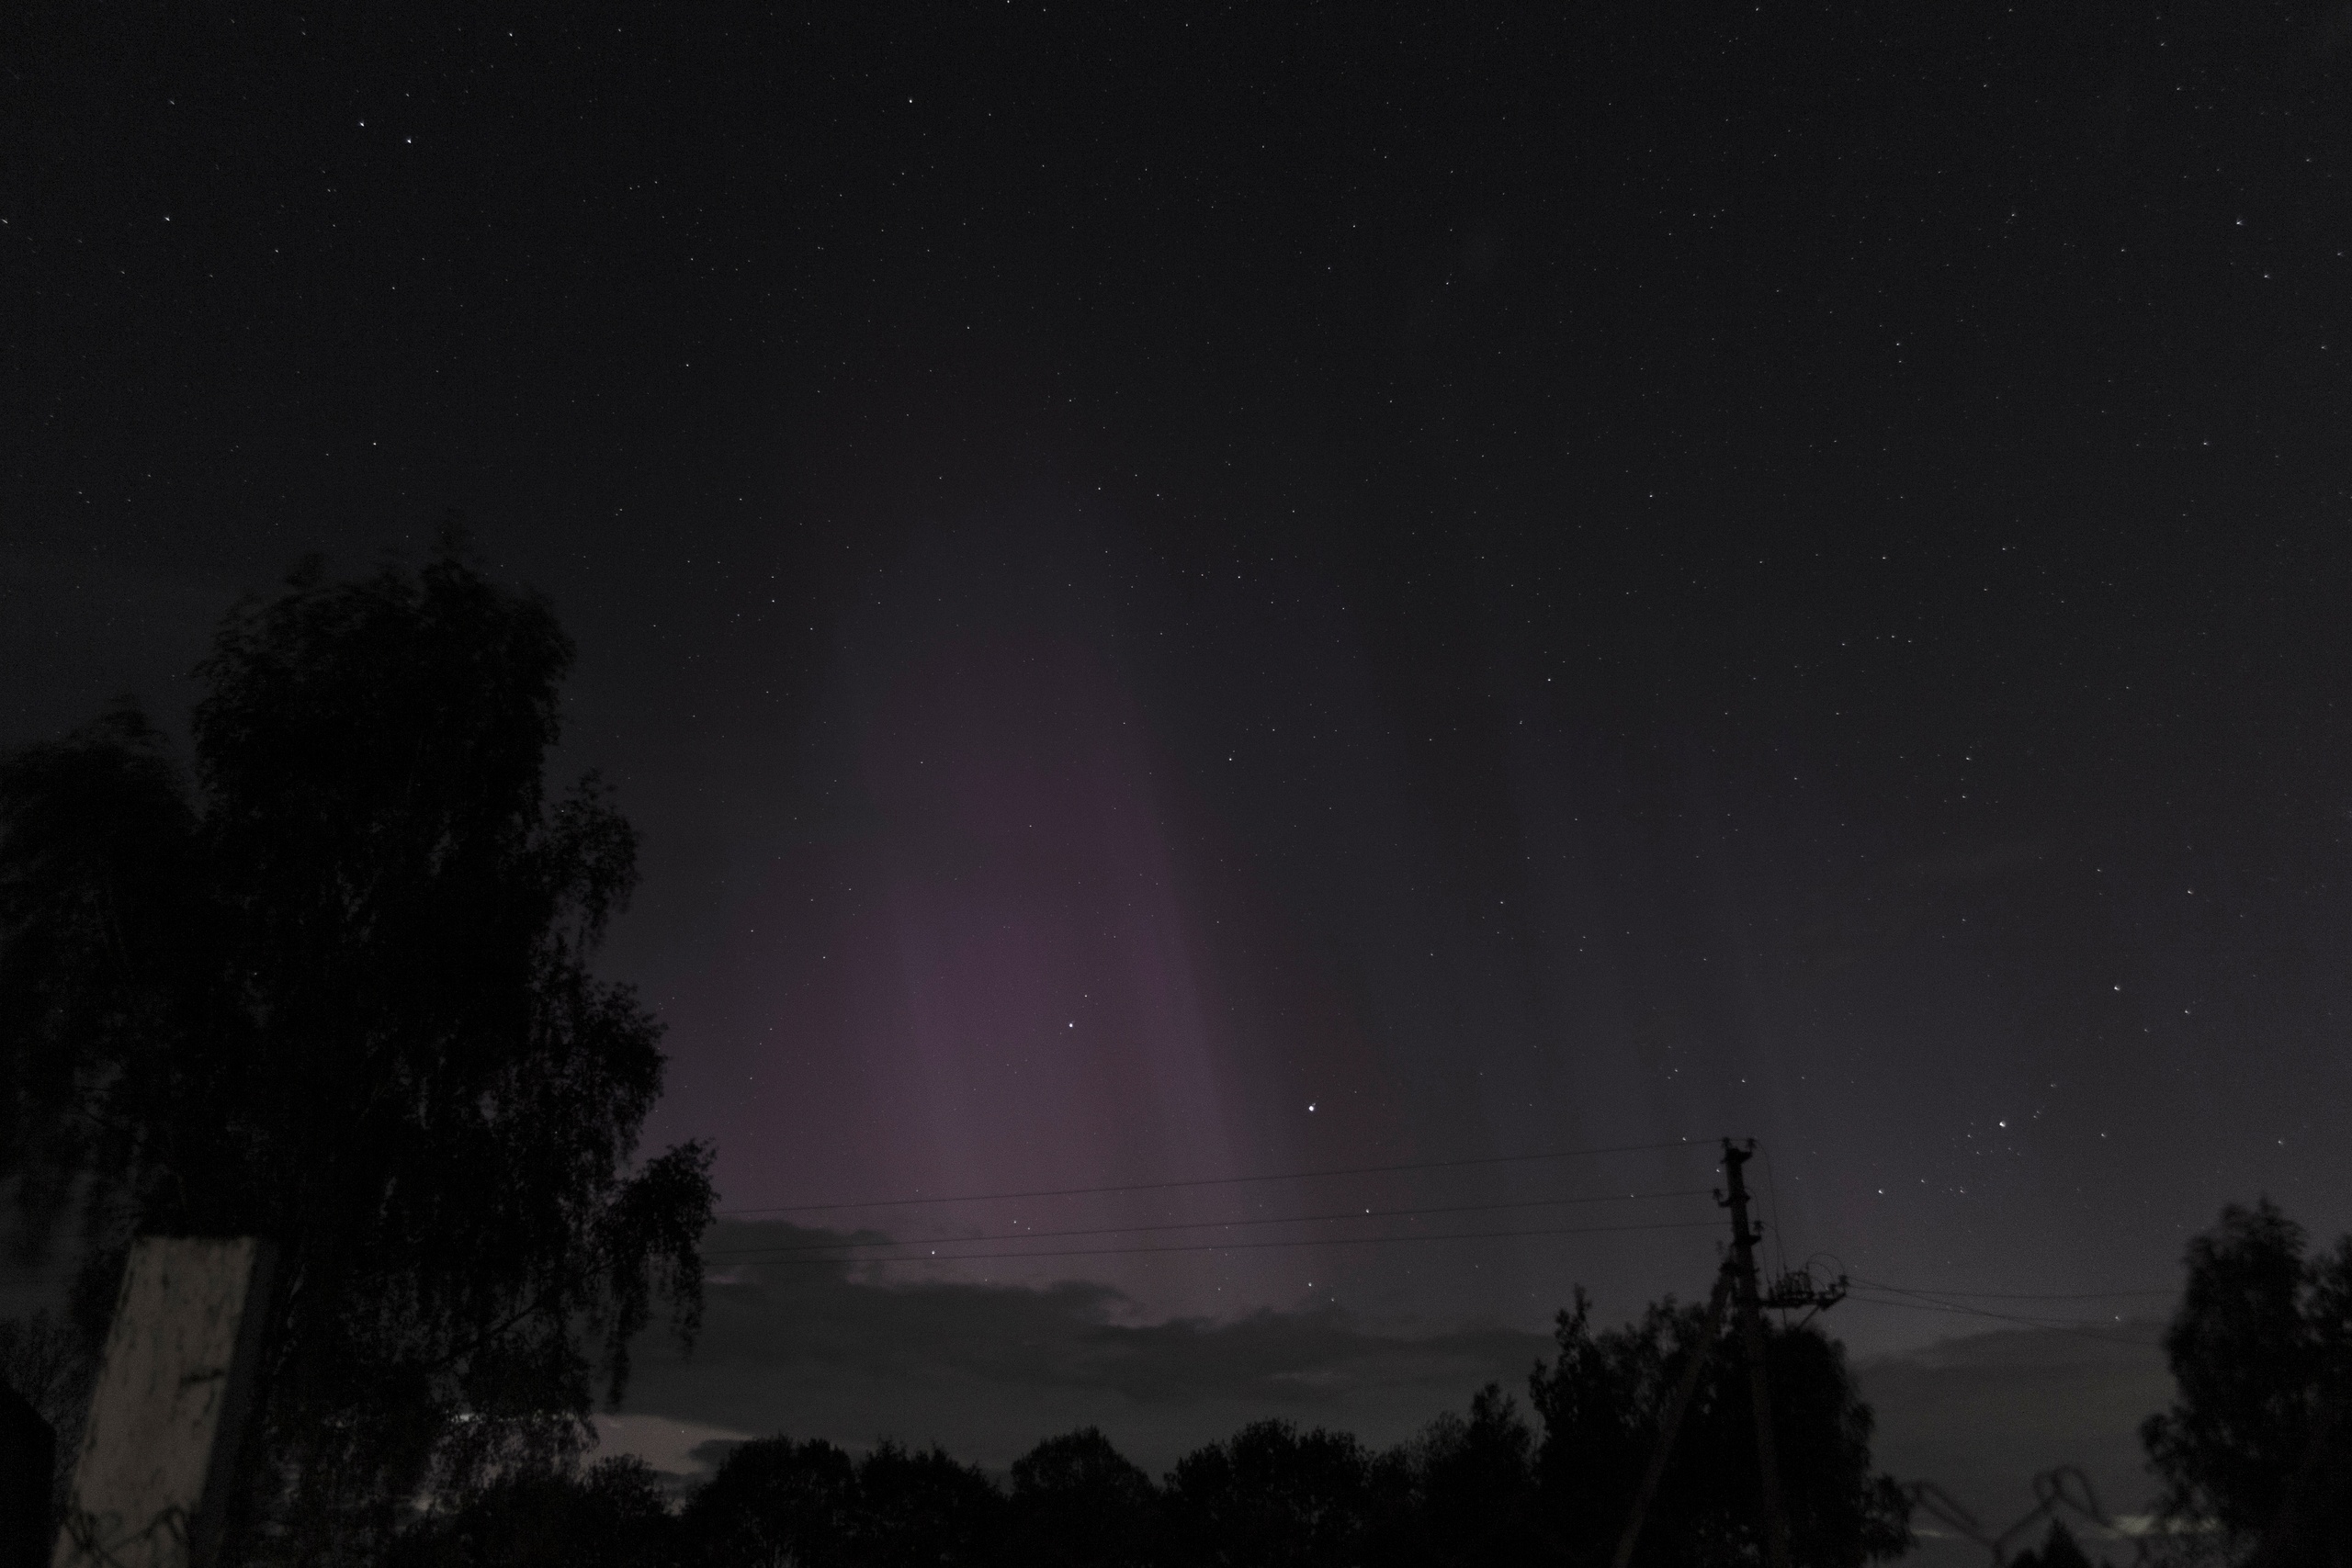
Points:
[1463,1492]
[2259,1435]
[333,987]
[615,1514]
[1270,1497]
[1079,1503]
[776,1500]
[922,1507]
[2059,1549]
[1601,1402]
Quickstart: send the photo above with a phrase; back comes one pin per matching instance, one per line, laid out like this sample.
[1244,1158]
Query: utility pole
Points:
[1736,1282]
[1751,1324]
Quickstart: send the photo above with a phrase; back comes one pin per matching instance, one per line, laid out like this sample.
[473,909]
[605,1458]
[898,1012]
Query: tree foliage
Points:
[775,1498]
[1481,1490]
[777,1501]
[332,985]
[1602,1404]
[2059,1549]
[2260,1435]
[1462,1494]
[614,1515]
[1271,1494]
[1079,1503]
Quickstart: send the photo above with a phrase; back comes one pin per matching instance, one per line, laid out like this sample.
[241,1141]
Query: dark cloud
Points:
[856,1353]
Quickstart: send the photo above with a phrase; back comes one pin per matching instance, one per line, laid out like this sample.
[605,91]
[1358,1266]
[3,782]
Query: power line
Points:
[2046,1326]
[2054,1325]
[2038,1321]
[1212,1225]
[1939,1299]
[1212,1180]
[2015,1295]
[1251,1246]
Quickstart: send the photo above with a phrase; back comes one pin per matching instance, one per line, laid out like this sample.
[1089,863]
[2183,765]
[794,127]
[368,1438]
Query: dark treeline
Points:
[2251,1458]
[1487,1487]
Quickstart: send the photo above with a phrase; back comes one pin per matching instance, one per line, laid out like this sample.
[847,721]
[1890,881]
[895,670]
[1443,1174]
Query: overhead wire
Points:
[2017,1295]
[1934,1291]
[2074,1326]
[1944,1298]
[901,1202]
[1212,1225]
[1245,1246]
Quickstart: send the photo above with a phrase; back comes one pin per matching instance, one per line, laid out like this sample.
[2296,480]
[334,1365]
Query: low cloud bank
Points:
[831,1351]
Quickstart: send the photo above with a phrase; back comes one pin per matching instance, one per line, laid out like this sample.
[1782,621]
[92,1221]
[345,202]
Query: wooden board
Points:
[160,1449]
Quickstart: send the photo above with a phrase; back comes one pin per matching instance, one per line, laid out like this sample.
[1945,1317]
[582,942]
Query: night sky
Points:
[1185,595]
